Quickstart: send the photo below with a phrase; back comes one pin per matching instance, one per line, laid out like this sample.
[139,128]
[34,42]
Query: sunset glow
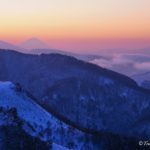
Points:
[70,24]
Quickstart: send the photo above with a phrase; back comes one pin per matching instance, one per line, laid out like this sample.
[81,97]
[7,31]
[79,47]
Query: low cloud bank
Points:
[142,66]
[128,64]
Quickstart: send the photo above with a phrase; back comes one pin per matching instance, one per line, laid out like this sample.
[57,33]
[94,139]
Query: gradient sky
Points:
[77,24]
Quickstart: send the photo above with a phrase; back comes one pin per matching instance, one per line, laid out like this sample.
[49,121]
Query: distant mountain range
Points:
[36,46]
[8,46]
[34,43]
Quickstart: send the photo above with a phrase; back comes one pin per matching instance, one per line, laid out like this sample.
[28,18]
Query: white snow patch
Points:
[58,147]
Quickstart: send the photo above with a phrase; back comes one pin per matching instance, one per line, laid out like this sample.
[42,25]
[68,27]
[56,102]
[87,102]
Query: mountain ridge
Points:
[9,113]
[83,91]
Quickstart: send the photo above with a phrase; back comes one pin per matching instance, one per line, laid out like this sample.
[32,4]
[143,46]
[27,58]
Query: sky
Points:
[77,24]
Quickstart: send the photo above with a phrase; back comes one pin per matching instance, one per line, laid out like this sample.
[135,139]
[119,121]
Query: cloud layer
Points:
[128,64]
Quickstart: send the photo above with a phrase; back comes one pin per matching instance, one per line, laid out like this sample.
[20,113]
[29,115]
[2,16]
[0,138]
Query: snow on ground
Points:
[58,147]
[26,108]
[41,120]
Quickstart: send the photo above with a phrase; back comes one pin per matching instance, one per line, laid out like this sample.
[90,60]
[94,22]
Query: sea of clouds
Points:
[128,64]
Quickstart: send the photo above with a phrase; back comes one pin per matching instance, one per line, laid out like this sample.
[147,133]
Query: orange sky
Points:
[77,24]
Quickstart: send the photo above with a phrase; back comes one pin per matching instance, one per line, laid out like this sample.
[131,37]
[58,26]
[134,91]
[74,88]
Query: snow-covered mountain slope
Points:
[21,123]
[39,123]
[12,133]
[58,147]
[26,107]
